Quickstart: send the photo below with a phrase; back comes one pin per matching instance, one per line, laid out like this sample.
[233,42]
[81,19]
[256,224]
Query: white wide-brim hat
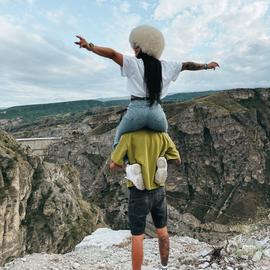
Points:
[149,39]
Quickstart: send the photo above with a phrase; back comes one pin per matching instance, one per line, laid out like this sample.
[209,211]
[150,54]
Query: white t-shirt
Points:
[133,69]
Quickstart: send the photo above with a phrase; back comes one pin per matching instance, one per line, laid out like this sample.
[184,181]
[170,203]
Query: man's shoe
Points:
[134,174]
[161,173]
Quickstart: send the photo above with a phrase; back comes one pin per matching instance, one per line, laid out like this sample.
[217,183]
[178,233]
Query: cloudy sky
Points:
[41,64]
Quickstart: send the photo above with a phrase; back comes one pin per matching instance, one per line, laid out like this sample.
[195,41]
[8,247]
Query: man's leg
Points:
[137,251]
[159,216]
[138,208]
[164,245]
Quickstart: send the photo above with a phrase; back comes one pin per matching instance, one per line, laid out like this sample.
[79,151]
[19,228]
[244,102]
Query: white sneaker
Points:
[161,173]
[134,174]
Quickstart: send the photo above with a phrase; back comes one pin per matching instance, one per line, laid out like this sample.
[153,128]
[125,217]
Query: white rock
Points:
[257,256]
[214,265]
[229,268]
[232,247]
[245,257]
[23,259]
[104,238]
[249,249]
[207,258]
[266,252]
[204,265]
[76,265]
[264,242]
[188,259]
[205,252]
[244,265]
[264,263]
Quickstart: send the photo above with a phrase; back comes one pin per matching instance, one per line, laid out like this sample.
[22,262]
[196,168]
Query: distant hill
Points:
[187,96]
[29,113]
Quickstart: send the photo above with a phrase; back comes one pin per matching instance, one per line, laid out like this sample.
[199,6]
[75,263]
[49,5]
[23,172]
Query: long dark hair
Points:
[152,76]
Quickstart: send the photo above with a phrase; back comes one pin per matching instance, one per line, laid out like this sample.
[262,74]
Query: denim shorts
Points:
[143,202]
[140,115]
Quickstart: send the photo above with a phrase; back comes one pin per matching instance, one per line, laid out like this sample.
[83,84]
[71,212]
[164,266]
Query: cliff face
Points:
[224,141]
[89,152]
[224,144]
[15,187]
[41,204]
[224,176]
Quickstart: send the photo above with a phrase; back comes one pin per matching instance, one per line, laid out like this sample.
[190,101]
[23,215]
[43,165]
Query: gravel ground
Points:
[240,253]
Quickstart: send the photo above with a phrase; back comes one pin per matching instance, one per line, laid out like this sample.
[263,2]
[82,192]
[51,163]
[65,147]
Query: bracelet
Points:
[205,66]
[91,45]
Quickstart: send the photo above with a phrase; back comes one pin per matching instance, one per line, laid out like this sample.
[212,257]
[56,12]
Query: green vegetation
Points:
[30,113]
[221,101]
[187,96]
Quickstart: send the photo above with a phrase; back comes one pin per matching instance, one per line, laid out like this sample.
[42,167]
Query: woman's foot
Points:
[161,173]
[134,174]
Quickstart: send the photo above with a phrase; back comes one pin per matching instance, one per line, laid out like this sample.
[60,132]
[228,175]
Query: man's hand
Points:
[83,43]
[175,161]
[212,65]
[178,161]
[114,166]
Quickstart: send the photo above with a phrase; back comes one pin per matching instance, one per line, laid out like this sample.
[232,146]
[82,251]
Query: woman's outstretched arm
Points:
[195,66]
[102,51]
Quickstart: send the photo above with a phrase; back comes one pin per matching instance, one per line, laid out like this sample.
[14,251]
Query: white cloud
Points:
[30,2]
[124,7]
[167,9]
[181,36]
[117,34]
[236,34]
[60,17]
[39,64]
[144,5]
[56,16]
[42,63]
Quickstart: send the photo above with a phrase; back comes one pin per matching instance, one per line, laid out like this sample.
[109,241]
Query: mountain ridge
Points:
[29,113]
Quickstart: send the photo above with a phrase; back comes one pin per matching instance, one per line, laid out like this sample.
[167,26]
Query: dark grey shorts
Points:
[142,202]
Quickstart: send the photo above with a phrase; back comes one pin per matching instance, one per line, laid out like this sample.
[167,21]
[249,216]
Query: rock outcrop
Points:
[224,178]
[225,173]
[15,188]
[41,204]
[225,142]
[107,249]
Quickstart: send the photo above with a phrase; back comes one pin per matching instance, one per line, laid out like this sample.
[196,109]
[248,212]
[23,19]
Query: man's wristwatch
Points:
[205,66]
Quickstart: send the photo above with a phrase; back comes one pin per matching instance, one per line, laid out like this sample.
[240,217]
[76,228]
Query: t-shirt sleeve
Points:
[174,69]
[119,152]
[128,67]
[172,152]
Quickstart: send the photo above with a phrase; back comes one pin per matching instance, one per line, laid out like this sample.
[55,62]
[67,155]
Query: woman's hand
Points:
[102,51]
[83,43]
[212,65]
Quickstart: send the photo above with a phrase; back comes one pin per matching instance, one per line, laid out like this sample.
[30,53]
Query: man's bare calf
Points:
[164,245]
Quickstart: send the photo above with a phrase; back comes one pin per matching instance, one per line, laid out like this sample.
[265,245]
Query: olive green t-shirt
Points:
[145,147]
